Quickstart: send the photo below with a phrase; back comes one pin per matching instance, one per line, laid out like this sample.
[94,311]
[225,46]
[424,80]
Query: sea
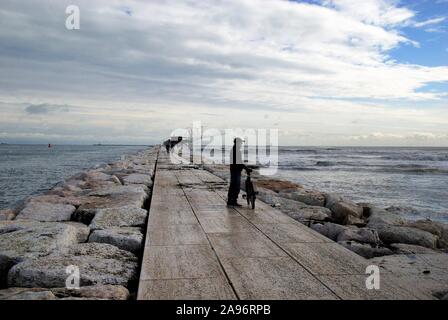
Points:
[33,169]
[414,180]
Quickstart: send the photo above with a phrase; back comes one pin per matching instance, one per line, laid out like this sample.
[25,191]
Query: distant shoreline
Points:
[281,146]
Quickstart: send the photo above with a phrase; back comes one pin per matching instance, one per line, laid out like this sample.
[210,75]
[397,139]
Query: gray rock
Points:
[116,190]
[401,248]
[123,198]
[138,178]
[329,230]
[360,235]
[99,263]
[26,294]
[129,239]
[309,213]
[380,217]
[309,197]
[300,211]
[7,214]
[103,292]
[366,250]
[331,199]
[23,239]
[44,211]
[119,217]
[436,228]
[60,197]
[347,212]
[396,234]
[266,195]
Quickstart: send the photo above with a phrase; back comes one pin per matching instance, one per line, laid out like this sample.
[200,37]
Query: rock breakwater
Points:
[93,222]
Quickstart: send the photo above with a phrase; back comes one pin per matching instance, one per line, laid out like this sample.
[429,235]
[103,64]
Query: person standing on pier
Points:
[236,166]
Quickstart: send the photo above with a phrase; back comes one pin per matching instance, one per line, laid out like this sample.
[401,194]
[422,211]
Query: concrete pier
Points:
[198,248]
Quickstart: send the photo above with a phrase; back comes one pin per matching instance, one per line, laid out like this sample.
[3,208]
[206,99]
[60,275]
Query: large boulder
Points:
[7,214]
[21,240]
[98,263]
[360,235]
[329,230]
[402,248]
[366,250]
[309,213]
[60,197]
[119,217]
[24,239]
[397,234]
[378,217]
[277,185]
[309,197]
[129,239]
[347,212]
[331,199]
[103,292]
[138,178]
[26,294]
[122,198]
[267,196]
[46,211]
[436,228]
[300,211]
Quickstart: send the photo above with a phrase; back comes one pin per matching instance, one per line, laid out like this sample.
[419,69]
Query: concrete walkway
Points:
[197,248]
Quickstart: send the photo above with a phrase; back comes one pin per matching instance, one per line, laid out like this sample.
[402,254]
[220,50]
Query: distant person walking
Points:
[236,166]
[167,144]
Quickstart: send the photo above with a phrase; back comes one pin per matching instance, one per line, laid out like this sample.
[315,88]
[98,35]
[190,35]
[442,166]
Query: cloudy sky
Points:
[323,72]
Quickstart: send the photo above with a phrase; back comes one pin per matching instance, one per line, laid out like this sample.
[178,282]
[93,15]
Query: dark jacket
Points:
[236,160]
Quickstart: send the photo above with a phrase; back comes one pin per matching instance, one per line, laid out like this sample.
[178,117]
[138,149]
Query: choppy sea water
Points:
[32,169]
[415,179]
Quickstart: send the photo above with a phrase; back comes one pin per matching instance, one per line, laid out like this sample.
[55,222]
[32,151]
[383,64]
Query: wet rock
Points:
[354,221]
[122,199]
[103,292]
[347,212]
[396,234]
[44,211]
[309,213]
[267,196]
[401,248]
[329,230]
[26,294]
[129,239]
[436,228]
[23,239]
[380,217]
[360,235]
[309,197]
[366,250]
[119,217]
[7,214]
[331,199]
[54,197]
[300,211]
[98,263]
[277,185]
[137,178]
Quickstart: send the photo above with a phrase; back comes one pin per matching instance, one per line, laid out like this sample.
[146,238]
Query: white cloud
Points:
[184,59]
[429,22]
